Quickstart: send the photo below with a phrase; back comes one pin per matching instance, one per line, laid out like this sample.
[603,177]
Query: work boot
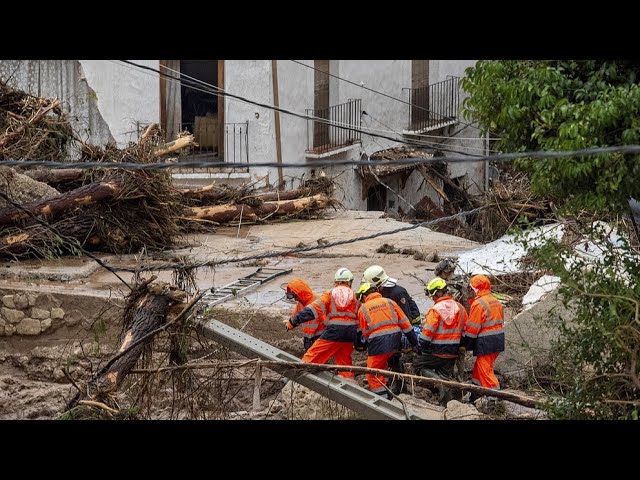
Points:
[397,386]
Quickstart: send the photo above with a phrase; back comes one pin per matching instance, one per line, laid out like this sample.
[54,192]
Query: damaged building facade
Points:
[417,101]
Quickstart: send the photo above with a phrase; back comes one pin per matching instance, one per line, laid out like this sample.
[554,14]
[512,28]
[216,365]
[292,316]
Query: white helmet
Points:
[343,275]
[375,275]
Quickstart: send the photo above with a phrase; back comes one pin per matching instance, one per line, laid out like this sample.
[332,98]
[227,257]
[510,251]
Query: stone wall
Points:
[30,313]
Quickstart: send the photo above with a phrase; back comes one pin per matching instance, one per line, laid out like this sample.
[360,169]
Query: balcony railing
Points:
[236,140]
[338,128]
[434,106]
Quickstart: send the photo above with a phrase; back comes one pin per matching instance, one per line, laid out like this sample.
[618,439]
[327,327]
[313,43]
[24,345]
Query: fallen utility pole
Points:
[334,387]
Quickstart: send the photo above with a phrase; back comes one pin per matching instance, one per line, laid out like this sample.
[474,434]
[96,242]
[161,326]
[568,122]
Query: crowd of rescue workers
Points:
[382,319]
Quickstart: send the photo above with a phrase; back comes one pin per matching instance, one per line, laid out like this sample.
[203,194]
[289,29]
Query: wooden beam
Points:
[276,102]
[221,111]
[163,99]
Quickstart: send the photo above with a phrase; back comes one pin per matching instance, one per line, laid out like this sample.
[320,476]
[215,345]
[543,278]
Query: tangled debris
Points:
[110,210]
[32,128]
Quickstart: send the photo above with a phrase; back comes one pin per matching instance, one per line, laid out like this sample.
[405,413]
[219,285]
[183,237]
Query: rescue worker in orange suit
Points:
[301,292]
[381,322]
[484,332]
[338,306]
[388,287]
[441,336]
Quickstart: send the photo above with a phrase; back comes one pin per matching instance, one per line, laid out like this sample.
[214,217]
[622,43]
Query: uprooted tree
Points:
[569,105]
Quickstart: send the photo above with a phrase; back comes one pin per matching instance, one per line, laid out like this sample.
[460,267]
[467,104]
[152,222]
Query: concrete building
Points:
[413,100]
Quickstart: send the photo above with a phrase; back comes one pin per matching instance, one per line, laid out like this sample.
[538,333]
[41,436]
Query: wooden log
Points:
[229,212]
[55,177]
[148,308]
[425,175]
[53,207]
[175,145]
[214,192]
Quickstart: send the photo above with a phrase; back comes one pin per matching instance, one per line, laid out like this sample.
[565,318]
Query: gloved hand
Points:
[462,350]
[416,321]
[288,325]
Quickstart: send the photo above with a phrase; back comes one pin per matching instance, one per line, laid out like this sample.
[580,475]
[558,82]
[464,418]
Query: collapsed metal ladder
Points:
[233,289]
[332,386]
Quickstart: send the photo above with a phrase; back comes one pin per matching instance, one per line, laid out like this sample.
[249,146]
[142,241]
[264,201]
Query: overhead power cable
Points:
[412,105]
[499,157]
[300,115]
[211,263]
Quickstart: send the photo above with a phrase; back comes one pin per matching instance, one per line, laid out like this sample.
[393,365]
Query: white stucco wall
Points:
[125,95]
[253,79]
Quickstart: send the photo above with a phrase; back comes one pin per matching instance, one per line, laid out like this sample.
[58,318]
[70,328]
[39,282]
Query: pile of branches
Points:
[119,211]
[32,128]
[116,210]
[508,201]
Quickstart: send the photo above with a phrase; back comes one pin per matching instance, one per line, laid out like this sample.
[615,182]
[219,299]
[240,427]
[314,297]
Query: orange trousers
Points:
[483,371]
[377,382]
[322,350]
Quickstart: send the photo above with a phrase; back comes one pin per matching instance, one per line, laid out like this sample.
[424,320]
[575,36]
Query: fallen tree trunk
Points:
[288,368]
[230,212]
[148,307]
[53,207]
[55,177]
[213,193]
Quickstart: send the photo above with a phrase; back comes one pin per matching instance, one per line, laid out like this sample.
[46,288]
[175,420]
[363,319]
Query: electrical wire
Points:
[300,115]
[500,157]
[413,105]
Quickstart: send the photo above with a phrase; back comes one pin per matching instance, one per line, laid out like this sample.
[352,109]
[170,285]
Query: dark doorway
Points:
[377,198]
[200,108]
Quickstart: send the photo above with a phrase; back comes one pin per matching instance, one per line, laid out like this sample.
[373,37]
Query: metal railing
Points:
[236,142]
[434,105]
[336,132]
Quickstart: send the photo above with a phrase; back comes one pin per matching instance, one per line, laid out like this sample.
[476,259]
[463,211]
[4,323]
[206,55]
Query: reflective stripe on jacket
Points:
[306,296]
[338,305]
[382,322]
[484,332]
[443,328]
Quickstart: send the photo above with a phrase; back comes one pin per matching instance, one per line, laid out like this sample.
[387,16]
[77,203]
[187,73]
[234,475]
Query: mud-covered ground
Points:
[37,373]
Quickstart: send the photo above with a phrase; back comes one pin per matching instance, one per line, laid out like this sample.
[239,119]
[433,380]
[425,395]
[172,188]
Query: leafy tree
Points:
[597,349]
[564,105]
[571,105]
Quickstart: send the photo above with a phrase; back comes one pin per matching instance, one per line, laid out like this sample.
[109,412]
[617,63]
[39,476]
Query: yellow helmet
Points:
[363,291]
[434,285]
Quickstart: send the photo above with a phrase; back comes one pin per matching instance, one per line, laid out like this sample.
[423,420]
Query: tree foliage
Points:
[596,353]
[564,105]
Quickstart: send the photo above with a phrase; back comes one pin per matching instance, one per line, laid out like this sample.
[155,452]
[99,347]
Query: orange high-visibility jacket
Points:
[306,295]
[484,332]
[382,322]
[338,306]
[443,328]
